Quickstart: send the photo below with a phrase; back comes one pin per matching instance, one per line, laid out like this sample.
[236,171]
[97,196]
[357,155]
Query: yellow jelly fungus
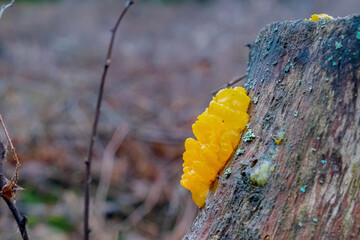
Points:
[279,141]
[318,17]
[217,131]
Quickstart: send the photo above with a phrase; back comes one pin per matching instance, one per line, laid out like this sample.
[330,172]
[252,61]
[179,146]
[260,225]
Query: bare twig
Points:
[18,164]
[228,84]
[96,120]
[5,6]
[19,218]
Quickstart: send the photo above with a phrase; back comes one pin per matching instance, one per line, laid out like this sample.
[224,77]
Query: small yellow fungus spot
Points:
[218,133]
[279,141]
[260,174]
[318,17]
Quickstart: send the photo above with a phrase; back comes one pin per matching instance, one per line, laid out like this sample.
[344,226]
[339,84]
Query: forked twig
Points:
[96,120]
[19,218]
[5,6]
[18,164]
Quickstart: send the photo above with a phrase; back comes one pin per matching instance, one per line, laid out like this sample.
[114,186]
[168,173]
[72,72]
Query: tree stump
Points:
[303,78]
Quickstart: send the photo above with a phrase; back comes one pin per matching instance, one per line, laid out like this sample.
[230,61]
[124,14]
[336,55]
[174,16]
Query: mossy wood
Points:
[305,77]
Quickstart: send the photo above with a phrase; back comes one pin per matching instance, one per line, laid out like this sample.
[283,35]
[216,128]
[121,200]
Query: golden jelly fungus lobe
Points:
[217,131]
[318,17]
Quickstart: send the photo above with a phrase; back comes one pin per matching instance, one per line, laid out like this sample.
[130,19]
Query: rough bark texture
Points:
[306,76]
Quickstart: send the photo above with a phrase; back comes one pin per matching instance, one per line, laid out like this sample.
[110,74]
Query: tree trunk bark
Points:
[303,78]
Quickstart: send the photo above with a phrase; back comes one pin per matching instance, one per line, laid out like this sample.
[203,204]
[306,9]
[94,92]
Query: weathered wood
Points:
[306,76]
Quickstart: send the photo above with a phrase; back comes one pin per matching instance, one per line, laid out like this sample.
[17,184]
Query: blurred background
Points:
[168,57]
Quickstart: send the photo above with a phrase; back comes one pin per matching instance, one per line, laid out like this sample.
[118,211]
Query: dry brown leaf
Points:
[10,188]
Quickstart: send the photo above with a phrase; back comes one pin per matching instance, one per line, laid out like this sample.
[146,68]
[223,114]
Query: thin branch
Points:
[228,84]
[18,164]
[96,120]
[19,218]
[5,6]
